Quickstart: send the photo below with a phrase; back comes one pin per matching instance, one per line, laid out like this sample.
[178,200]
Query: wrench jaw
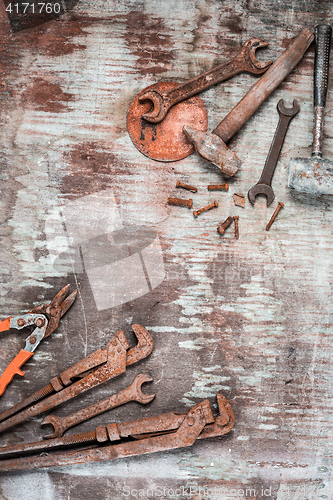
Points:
[249,55]
[261,189]
[159,110]
[282,110]
[138,395]
[57,425]
[144,346]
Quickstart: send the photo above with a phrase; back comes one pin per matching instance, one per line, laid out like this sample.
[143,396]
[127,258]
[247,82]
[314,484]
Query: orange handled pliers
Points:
[46,318]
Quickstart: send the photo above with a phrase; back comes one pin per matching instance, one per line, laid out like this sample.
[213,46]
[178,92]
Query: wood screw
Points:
[218,187]
[204,209]
[236,217]
[277,210]
[179,202]
[193,189]
[222,227]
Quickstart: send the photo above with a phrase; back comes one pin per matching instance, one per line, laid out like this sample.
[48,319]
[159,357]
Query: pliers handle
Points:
[45,318]
[18,322]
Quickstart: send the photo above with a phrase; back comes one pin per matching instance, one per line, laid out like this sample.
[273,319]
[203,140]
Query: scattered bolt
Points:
[193,189]
[204,209]
[179,202]
[236,217]
[40,322]
[21,322]
[277,210]
[222,227]
[218,187]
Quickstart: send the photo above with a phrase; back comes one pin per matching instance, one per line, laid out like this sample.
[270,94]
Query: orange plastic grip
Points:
[5,324]
[14,368]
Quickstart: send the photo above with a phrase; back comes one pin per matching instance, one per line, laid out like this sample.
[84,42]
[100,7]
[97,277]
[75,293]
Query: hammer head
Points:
[213,149]
[313,176]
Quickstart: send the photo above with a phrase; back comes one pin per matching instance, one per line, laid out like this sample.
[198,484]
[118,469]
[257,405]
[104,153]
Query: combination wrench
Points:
[263,186]
[131,393]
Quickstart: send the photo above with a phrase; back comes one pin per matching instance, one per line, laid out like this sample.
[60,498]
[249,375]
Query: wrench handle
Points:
[64,423]
[323,35]
[264,87]
[275,150]
[206,80]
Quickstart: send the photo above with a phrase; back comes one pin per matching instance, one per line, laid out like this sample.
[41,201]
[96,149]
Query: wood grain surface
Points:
[250,318]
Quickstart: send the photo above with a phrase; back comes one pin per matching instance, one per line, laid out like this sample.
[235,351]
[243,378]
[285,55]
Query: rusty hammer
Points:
[314,175]
[212,146]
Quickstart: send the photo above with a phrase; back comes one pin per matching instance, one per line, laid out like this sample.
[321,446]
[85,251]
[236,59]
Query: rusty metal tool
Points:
[193,189]
[244,61]
[236,219]
[180,203]
[46,318]
[148,435]
[263,186]
[224,225]
[218,187]
[101,365]
[131,393]
[205,209]
[212,146]
[314,175]
[272,219]
[165,141]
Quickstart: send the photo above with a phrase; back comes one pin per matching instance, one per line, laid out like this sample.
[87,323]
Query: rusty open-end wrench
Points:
[131,393]
[263,186]
[244,61]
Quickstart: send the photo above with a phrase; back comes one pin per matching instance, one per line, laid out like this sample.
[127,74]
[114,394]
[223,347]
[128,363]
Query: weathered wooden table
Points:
[250,318]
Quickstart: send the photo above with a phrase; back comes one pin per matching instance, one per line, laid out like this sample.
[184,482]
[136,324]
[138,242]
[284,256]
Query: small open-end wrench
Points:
[244,61]
[263,186]
[131,393]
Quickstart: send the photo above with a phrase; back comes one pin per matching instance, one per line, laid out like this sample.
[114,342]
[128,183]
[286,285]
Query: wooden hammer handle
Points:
[264,86]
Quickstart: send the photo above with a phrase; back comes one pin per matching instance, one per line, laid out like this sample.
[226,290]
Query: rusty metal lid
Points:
[165,141]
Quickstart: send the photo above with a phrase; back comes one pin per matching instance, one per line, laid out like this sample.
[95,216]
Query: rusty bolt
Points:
[179,202]
[190,421]
[33,340]
[193,189]
[222,227]
[218,187]
[236,217]
[204,209]
[21,322]
[40,322]
[277,210]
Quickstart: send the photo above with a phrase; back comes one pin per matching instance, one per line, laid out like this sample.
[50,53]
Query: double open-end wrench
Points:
[263,186]
[131,393]
[244,61]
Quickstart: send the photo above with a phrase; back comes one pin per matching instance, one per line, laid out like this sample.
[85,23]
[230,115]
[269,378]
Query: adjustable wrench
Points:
[244,61]
[263,186]
[131,393]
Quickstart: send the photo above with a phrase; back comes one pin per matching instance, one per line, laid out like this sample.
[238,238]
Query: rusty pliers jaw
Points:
[55,309]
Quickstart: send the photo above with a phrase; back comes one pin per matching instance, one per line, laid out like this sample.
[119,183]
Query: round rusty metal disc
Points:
[165,141]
